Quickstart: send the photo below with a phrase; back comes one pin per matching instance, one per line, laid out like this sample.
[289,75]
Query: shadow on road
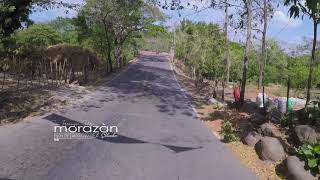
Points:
[64,121]
[151,78]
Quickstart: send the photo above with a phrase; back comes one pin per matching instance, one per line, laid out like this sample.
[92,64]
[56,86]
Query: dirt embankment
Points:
[214,118]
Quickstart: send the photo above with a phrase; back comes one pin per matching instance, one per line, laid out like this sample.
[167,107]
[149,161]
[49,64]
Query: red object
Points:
[236,94]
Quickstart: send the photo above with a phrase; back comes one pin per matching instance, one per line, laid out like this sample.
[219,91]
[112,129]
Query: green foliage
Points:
[228,132]
[276,64]
[310,7]
[311,155]
[287,120]
[66,27]
[157,38]
[14,13]
[198,51]
[40,35]
[312,112]
[298,71]
[111,28]
[236,57]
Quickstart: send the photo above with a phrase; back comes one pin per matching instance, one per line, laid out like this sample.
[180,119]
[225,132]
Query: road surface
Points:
[159,136]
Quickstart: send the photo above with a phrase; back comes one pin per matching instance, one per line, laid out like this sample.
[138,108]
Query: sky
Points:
[288,32]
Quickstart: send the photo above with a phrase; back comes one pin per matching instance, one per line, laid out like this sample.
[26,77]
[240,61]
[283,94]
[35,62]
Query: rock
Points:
[257,119]
[252,138]
[268,129]
[212,101]
[307,134]
[296,169]
[217,104]
[270,148]
[75,83]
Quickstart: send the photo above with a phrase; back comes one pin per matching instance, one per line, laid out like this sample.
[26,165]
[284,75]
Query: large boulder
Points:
[307,134]
[296,169]
[252,138]
[269,129]
[256,119]
[270,148]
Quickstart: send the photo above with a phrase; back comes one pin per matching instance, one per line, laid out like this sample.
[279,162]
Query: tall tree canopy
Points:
[310,8]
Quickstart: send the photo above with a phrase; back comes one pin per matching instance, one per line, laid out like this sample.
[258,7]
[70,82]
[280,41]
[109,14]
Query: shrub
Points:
[287,120]
[311,155]
[311,114]
[40,35]
[228,132]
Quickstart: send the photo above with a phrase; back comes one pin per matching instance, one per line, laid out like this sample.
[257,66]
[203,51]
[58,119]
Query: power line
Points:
[281,30]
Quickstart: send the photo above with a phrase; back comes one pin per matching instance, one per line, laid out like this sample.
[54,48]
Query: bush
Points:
[228,132]
[40,35]
[311,114]
[311,155]
[287,120]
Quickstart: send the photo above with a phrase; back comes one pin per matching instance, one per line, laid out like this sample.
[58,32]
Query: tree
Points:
[202,55]
[15,13]
[66,27]
[114,24]
[40,35]
[310,8]
[266,11]
[277,61]
[227,50]
[127,21]
[248,13]
[93,22]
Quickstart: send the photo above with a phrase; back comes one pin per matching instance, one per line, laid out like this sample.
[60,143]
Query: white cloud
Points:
[283,19]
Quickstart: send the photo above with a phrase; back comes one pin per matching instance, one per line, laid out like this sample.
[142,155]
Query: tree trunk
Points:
[4,79]
[39,73]
[32,72]
[311,68]
[118,54]
[227,51]
[288,94]
[109,46]
[110,69]
[248,4]
[56,73]
[85,71]
[51,72]
[62,76]
[19,73]
[263,53]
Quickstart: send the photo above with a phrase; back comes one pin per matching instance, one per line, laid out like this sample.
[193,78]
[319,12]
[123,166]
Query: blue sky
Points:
[289,32]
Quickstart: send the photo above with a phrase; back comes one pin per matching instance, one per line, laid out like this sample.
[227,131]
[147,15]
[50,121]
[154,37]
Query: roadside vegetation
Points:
[106,34]
[35,57]
[285,128]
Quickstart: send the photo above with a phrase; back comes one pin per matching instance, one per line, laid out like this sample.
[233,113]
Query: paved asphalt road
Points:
[159,137]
